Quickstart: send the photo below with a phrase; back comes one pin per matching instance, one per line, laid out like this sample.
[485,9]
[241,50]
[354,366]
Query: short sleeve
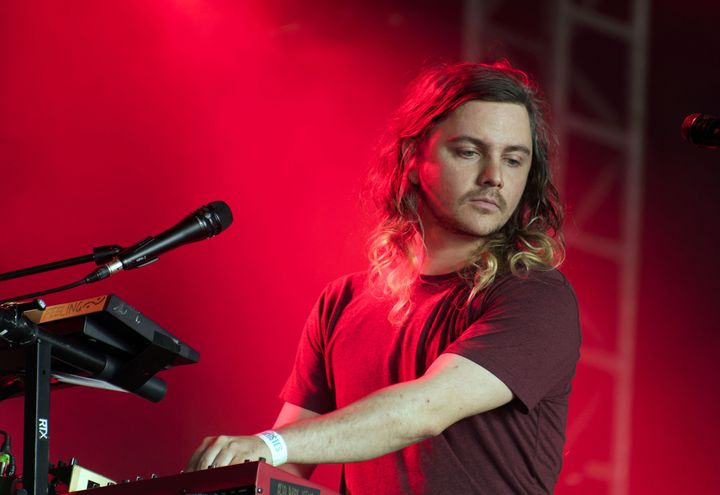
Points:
[527,334]
[310,384]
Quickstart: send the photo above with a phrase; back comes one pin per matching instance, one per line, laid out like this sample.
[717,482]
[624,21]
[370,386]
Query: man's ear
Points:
[413,174]
[409,154]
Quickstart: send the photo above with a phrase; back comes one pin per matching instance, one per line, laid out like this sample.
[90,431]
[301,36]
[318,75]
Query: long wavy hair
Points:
[532,237]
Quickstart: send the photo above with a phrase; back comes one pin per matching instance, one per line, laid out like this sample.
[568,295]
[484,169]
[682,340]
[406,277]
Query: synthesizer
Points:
[257,478]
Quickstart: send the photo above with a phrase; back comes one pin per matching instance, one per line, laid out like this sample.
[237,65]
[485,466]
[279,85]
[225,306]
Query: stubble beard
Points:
[458,223]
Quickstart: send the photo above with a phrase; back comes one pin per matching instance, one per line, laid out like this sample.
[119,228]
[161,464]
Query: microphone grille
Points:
[221,213]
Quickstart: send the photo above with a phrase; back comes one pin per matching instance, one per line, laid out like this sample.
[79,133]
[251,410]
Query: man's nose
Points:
[491,173]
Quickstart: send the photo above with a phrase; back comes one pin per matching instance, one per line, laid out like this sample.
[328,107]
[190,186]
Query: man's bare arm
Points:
[290,414]
[453,388]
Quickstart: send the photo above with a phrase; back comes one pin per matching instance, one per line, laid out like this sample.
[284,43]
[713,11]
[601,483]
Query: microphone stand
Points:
[100,256]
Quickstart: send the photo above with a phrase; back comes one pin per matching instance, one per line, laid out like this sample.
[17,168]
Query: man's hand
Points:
[224,450]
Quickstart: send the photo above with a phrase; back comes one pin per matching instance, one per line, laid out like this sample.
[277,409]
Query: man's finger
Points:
[195,457]
[207,459]
[224,457]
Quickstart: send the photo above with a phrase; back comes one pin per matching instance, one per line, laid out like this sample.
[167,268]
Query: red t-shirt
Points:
[523,330]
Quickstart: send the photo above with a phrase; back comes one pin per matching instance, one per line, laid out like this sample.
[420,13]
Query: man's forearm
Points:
[382,422]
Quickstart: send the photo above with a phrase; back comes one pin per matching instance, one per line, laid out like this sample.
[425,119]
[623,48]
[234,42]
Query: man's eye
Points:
[513,162]
[466,153]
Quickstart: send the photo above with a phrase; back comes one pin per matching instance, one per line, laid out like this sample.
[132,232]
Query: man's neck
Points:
[447,252]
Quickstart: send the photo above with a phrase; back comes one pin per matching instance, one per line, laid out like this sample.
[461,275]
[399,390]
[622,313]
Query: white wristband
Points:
[277,446]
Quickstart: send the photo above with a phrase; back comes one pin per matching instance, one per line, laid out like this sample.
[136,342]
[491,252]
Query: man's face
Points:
[472,168]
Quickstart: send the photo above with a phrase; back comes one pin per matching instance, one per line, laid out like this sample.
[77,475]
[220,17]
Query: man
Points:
[447,367]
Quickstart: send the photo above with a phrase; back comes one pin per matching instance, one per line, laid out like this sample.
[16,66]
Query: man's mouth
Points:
[486,202]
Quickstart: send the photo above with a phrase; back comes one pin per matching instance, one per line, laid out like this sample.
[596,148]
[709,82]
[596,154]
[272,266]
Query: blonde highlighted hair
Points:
[532,237]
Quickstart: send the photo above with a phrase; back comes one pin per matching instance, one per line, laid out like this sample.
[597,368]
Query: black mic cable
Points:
[100,255]
[44,292]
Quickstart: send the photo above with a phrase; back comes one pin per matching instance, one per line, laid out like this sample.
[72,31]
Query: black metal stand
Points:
[36,451]
[100,255]
[113,343]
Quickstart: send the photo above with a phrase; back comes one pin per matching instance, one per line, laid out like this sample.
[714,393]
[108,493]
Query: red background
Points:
[118,118]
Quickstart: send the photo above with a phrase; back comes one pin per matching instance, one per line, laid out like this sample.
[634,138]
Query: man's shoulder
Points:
[546,283]
[546,276]
[345,287]
[544,297]
[354,280]
[339,294]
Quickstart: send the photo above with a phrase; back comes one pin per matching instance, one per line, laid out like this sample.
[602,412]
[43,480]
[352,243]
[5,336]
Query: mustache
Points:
[487,195]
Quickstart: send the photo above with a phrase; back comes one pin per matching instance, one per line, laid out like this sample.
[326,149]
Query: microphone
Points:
[207,221]
[701,130]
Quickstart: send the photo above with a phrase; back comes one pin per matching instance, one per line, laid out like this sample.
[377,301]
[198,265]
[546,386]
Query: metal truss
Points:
[592,55]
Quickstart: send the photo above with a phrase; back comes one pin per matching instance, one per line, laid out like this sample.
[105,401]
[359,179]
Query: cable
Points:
[44,292]
[100,255]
